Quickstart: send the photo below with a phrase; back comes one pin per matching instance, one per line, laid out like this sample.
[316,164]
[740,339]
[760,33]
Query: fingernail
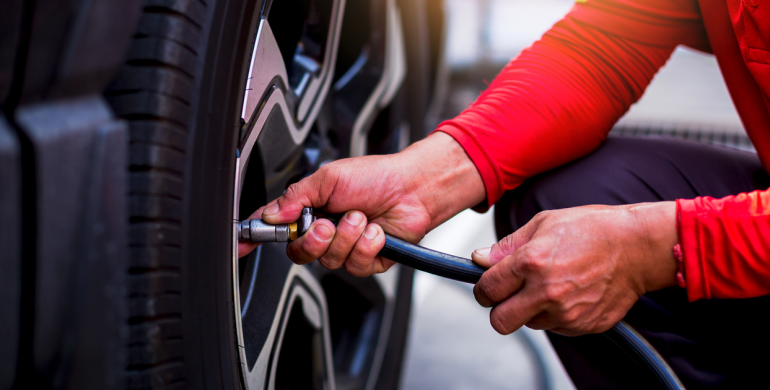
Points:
[322,232]
[272,209]
[371,232]
[483,252]
[354,218]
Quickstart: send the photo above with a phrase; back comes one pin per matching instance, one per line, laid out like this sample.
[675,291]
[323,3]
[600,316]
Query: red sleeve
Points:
[560,97]
[726,245]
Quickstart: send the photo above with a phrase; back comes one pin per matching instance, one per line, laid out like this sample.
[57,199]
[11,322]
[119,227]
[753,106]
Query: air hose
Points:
[465,270]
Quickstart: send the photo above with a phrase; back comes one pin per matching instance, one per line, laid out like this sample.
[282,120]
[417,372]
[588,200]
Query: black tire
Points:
[180,328]
[179,92]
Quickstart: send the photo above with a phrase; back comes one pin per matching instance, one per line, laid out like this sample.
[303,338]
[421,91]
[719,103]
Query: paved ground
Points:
[451,345]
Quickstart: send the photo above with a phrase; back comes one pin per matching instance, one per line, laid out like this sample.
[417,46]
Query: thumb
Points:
[487,257]
[312,191]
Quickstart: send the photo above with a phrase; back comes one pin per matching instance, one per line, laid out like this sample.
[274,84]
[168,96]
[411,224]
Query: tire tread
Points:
[152,93]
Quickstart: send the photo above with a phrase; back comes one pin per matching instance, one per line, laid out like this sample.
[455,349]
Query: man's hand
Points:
[405,194]
[578,270]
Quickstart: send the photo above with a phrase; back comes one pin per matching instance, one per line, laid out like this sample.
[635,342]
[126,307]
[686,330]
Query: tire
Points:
[199,158]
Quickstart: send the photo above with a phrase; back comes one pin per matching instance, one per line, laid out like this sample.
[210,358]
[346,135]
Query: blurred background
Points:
[451,345]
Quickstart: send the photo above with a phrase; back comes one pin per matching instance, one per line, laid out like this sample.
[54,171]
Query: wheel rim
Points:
[301,313]
[281,309]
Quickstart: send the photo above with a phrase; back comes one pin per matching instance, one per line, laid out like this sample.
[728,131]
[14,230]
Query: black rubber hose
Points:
[430,261]
[465,270]
[627,338]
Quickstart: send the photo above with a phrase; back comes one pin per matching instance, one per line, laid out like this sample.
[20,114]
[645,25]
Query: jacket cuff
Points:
[694,269]
[485,165]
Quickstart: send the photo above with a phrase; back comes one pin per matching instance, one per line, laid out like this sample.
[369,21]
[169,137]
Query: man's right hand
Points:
[406,195]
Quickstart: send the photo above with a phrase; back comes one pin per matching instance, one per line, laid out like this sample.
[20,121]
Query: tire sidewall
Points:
[208,329]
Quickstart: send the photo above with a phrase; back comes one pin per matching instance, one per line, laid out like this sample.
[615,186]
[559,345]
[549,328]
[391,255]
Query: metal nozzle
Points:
[255,230]
[305,220]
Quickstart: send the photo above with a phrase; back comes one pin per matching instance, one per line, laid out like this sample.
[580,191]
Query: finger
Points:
[258,214]
[350,227]
[567,332]
[487,257]
[244,248]
[554,318]
[543,321]
[514,312]
[382,264]
[312,244]
[312,191]
[362,260]
[579,331]
[481,257]
[498,282]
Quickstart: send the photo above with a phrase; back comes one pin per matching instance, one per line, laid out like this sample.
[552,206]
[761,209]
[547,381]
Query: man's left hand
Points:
[579,270]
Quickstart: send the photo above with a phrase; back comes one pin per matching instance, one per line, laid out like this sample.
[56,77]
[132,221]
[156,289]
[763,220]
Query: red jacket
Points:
[558,99]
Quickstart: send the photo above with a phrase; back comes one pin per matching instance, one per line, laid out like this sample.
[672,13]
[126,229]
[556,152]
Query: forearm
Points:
[554,103]
[443,176]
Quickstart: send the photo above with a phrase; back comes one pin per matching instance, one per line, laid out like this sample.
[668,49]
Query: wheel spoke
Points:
[361,313]
[300,330]
[266,67]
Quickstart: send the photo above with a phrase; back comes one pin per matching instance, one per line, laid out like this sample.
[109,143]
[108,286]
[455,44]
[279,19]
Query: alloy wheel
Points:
[305,327]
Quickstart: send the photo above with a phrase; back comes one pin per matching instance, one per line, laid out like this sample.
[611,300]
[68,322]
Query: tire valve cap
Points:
[256,230]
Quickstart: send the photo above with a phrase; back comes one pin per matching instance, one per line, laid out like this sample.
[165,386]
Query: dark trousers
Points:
[709,343]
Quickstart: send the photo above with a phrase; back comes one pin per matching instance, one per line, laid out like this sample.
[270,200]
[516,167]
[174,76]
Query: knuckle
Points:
[361,261]
[505,246]
[510,265]
[329,262]
[315,248]
[323,172]
[366,248]
[340,249]
[570,317]
[542,215]
[319,234]
[555,293]
[292,191]
[356,269]
[532,259]
[327,171]
[324,169]
[354,229]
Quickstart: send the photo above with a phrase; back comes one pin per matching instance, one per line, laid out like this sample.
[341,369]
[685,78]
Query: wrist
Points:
[443,176]
[658,228]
